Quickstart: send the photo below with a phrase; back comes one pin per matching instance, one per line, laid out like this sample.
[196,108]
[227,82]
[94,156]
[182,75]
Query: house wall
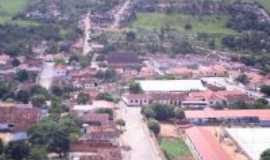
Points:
[136,102]
[195,105]
[230,121]
[145,101]
[192,148]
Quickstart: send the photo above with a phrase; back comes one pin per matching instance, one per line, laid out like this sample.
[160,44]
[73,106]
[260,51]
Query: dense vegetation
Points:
[16,40]
[265,155]
[161,112]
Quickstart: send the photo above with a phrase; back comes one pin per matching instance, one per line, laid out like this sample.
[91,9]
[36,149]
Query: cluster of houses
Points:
[205,93]
[16,119]
[189,94]
[10,66]
[203,87]
[100,134]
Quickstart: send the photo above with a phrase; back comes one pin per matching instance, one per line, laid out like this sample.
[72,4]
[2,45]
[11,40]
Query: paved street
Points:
[119,14]
[87,31]
[137,136]
[47,74]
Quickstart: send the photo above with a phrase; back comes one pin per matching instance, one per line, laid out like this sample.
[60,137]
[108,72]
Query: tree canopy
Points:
[265,155]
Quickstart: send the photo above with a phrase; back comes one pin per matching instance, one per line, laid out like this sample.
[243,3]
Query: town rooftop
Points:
[171,85]
[253,141]
[205,145]
[262,114]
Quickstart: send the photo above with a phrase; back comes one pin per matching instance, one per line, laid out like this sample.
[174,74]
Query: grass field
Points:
[175,148]
[265,3]
[9,8]
[12,7]
[207,24]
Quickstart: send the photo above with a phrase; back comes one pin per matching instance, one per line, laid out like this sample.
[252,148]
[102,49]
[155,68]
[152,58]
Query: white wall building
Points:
[252,141]
[171,85]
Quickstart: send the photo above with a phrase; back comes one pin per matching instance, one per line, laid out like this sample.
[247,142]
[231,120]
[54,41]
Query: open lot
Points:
[207,24]
[175,148]
[9,9]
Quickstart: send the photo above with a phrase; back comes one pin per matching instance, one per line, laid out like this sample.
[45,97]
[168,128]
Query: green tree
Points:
[2,147]
[18,150]
[51,134]
[22,75]
[74,58]
[23,96]
[70,125]
[57,90]
[265,89]
[38,100]
[262,101]
[38,153]
[212,44]
[265,155]
[179,113]
[130,36]
[106,111]
[154,126]
[108,75]
[105,96]
[39,90]
[188,26]
[15,62]
[135,88]
[162,112]
[121,123]
[243,78]
[83,98]
[5,88]
[57,108]
[148,112]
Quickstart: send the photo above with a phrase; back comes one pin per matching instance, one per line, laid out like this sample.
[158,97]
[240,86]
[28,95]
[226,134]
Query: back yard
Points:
[175,149]
[206,24]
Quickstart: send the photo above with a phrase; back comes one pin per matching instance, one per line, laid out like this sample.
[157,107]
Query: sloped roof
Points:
[206,144]
[263,114]
[123,58]
[21,117]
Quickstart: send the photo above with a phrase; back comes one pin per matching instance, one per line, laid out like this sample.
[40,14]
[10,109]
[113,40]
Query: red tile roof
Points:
[92,117]
[100,150]
[21,117]
[103,132]
[123,57]
[202,96]
[206,144]
[262,114]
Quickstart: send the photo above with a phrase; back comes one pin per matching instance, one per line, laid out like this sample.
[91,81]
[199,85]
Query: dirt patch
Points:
[169,130]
